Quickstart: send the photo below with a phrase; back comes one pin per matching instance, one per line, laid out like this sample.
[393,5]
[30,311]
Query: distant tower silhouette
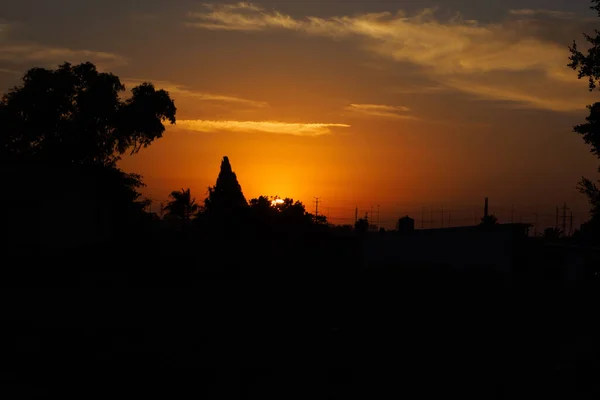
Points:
[485,209]
[564,219]
[571,224]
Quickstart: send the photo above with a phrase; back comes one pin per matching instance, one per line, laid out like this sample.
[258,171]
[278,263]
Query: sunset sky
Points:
[402,104]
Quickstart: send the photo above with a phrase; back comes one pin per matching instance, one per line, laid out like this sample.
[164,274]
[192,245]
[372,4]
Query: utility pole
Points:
[378,215]
[485,208]
[564,218]
[430,218]
[356,214]
[442,221]
[371,213]
[512,215]
[316,207]
[422,217]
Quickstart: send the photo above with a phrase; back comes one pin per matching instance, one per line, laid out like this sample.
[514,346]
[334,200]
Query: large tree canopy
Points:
[588,66]
[74,116]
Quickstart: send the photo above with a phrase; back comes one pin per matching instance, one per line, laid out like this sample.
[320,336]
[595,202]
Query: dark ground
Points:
[272,319]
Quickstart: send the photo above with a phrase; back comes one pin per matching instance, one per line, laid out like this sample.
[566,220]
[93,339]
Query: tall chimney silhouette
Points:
[485,210]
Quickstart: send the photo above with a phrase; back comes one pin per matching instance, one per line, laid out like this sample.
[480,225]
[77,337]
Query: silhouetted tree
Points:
[588,66]
[262,205]
[277,215]
[182,206]
[489,220]
[73,116]
[226,196]
[72,124]
[294,212]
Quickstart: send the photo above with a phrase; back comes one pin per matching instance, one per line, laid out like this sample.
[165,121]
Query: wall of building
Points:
[459,248]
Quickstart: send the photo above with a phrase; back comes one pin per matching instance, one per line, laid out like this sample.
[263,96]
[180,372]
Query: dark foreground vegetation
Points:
[279,319]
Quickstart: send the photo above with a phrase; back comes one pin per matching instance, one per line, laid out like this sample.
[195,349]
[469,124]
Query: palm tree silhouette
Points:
[182,206]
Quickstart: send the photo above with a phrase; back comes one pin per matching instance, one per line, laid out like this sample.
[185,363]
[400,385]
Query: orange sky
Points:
[408,109]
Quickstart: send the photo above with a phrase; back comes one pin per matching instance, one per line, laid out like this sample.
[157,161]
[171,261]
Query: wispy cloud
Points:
[275,127]
[528,12]
[444,49]
[520,93]
[381,110]
[9,71]
[35,53]
[183,91]
[423,89]
[238,17]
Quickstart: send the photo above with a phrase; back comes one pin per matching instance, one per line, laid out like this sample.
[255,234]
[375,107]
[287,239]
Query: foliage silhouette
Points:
[588,66]
[73,116]
[226,196]
[275,215]
[70,127]
[489,220]
[361,226]
[225,210]
[182,207]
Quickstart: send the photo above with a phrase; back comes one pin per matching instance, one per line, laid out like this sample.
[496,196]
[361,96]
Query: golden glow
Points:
[358,108]
[277,202]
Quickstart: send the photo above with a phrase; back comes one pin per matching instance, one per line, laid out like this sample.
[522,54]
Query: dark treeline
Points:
[226,297]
